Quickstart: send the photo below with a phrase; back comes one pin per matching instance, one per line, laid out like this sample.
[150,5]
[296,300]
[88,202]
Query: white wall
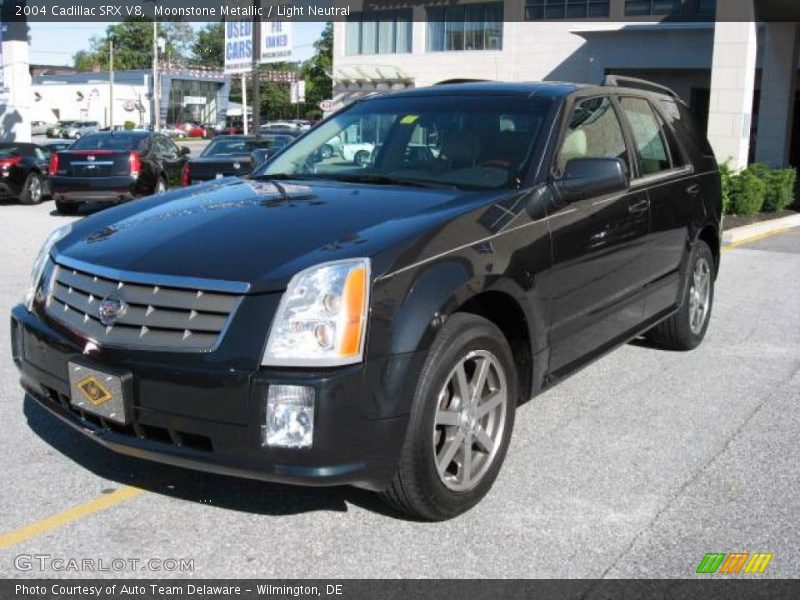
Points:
[14,118]
[95,103]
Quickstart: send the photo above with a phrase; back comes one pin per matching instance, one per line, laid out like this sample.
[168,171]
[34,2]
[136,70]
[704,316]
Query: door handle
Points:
[693,190]
[639,207]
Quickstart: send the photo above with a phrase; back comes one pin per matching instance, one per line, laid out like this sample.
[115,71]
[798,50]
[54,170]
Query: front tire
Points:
[460,424]
[68,208]
[33,190]
[686,329]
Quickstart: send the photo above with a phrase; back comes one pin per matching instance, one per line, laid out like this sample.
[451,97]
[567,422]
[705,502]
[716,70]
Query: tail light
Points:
[53,163]
[185,174]
[9,161]
[135,161]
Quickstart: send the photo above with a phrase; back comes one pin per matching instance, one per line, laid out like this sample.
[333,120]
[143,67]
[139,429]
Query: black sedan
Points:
[231,155]
[23,172]
[115,166]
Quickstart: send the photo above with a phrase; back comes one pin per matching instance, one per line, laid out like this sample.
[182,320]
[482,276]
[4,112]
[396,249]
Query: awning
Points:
[371,74]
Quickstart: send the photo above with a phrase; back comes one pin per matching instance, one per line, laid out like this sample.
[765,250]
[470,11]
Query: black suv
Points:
[323,323]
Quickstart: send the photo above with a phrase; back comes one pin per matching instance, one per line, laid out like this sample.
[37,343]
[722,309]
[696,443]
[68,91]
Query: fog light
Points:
[290,416]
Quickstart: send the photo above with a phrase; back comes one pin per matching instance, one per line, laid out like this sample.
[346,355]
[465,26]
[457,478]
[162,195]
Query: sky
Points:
[55,43]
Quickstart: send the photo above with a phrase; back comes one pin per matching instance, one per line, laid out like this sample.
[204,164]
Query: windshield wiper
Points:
[380,179]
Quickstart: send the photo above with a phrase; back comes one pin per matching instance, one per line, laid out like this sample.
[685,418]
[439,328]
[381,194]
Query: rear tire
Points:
[33,190]
[686,329]
[460,424]
[68,208]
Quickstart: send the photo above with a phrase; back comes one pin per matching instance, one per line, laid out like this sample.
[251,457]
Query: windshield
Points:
[115,142]
[458,141]
[240,147]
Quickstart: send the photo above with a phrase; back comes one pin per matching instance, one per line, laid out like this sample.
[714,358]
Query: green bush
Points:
[129,125]
[727,176]
[780,189]
[747,193]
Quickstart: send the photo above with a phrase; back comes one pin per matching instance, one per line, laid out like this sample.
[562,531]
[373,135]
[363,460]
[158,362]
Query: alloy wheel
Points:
[699,295]
[470,419]
[35,190]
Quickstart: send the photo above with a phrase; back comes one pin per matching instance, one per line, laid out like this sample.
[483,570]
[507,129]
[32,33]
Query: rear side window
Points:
[113,142]
[593,132]
[648,135]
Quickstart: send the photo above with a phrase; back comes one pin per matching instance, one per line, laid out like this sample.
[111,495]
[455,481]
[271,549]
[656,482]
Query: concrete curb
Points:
[739,235]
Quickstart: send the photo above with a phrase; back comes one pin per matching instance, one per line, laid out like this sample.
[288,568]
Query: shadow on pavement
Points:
[230,493]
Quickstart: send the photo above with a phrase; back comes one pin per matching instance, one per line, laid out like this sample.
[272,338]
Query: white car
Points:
[359,153]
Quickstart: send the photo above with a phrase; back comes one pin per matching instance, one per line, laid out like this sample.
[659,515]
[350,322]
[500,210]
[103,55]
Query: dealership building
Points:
[737,73]
[185,95]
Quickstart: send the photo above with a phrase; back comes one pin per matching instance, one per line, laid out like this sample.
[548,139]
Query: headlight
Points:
[41,261]
[322,317]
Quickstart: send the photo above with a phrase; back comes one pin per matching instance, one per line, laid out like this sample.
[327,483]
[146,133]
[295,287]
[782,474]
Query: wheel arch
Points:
[710,235]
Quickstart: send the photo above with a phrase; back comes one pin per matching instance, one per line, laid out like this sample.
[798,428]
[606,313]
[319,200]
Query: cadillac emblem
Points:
[112,308]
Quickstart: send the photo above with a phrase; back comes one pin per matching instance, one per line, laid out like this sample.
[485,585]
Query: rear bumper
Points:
[82,189]
[349,447]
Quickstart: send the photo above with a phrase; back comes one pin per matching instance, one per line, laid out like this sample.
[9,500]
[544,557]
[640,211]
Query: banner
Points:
[276,41]
[238,46]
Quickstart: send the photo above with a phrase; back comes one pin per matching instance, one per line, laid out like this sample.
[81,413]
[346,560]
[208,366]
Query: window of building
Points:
[707,8]
[380,32]
[637,8]
[593,132]
[465,27]
[648,135]
[537,10]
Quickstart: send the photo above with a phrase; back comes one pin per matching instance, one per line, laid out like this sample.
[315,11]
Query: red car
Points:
[193,130]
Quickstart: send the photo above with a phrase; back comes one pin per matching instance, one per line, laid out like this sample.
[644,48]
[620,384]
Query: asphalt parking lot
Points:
[635,467]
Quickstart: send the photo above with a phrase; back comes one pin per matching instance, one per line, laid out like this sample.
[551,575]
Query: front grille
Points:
[154,317]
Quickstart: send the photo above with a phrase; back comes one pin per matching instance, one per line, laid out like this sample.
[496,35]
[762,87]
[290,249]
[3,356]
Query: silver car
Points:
[80,128]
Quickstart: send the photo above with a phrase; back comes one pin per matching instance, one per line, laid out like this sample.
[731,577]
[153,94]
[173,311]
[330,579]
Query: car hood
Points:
[258,232]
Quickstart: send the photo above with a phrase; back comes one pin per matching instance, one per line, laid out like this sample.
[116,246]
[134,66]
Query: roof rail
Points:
[621,80]
[457,81]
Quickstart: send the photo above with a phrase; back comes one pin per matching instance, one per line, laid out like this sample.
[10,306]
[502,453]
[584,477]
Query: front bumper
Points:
[81,189]
[210,420]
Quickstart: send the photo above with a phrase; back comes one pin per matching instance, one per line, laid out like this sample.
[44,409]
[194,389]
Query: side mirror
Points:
[185,151]
[258,157]
[587,177]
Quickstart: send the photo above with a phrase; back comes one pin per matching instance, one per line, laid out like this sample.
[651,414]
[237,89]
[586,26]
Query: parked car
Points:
[57,130]
[78,129]
[40,127]
[174,132]
[328,324]
[56,146]
[115,166]
[269,130]
[358,153]
[230,155]
[194,130]
[23,172]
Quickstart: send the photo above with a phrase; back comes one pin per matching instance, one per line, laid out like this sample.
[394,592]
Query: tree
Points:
[316,72]
[208,49]
[133,45]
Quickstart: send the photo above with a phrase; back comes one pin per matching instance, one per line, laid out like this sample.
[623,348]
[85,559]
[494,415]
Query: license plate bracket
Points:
[102,392]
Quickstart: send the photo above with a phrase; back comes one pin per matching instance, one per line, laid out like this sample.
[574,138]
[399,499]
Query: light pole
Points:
[111,83]
[156,103]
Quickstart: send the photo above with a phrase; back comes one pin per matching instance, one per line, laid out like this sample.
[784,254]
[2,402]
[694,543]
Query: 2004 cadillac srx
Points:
[323,323]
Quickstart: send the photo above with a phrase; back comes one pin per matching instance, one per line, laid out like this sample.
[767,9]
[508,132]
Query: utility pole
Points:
[111,83]
[156,94]
[256,70]
[244,103]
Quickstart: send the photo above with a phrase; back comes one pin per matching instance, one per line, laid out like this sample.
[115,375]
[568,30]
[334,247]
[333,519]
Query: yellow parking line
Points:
[68,516]
[754,238]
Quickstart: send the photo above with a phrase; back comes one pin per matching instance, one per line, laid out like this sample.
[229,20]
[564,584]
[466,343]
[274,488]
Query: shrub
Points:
[747,193]
[780,189]
[726,175]
[129,125]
